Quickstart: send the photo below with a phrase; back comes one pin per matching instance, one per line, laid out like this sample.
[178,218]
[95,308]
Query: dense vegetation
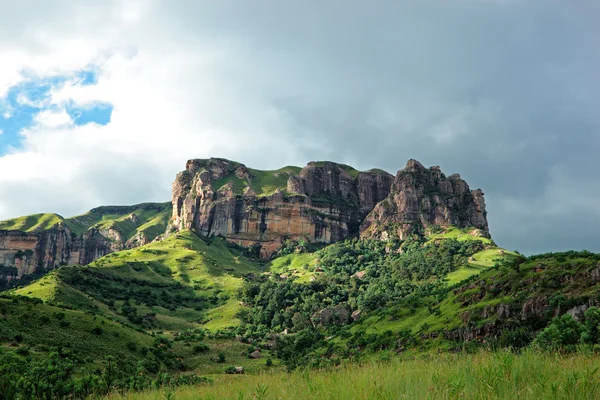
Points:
[355,274]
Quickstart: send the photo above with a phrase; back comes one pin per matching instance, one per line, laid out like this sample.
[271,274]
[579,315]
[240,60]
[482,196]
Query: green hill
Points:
[31,223]
[148,218]
[183,281]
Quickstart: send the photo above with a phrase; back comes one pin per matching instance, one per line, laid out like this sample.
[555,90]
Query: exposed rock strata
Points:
[25,253]
[325,202]
[421,198]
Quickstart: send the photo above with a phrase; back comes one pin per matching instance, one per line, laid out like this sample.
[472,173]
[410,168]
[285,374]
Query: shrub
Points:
[563,332]
[201,348]
[231,370]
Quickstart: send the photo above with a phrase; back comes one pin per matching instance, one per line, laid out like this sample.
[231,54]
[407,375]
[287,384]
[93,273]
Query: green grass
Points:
[484,375]
[480,262]
[40,329]
[183,264]
[152,220]
[31,223]
[460,234]
[300,266]
[265,183]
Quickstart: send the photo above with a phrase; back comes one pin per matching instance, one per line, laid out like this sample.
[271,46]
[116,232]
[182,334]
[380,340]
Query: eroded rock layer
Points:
[79,240]
[423,197]
[323,202]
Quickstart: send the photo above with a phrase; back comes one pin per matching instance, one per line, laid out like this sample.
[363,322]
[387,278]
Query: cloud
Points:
[511,109]
[53,119]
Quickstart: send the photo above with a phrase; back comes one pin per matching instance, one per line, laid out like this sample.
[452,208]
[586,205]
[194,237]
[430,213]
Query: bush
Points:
[97,331]
[201,348]
[231,370]
[563,332]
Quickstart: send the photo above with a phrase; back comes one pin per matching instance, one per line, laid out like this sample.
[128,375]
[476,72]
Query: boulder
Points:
[577,312]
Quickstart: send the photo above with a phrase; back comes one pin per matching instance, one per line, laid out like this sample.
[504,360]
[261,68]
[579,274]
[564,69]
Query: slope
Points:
[31,223]
[182,282]
[150,219]
[507,303]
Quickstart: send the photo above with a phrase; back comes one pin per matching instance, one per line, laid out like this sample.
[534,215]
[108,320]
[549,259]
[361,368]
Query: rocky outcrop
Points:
[336,315]
[25,253]
[422,197]
[325,202]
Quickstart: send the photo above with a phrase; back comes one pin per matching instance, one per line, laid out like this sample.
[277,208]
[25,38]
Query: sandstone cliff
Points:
[421,198]
[77,240]
[323,202]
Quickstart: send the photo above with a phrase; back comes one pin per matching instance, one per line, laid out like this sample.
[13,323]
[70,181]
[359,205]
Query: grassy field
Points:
[501,375]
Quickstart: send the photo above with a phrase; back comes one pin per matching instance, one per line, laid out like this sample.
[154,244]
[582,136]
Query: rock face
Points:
[324,202]
[25,253]
[421,198]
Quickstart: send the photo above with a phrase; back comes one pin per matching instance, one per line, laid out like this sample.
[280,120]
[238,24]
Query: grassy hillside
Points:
[183,282]
[31,223]
[191,305]
[150,219]
[37,327]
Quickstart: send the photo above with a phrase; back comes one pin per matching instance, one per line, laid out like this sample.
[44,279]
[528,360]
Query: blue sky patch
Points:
[99,114]
[26,99]
[88,77]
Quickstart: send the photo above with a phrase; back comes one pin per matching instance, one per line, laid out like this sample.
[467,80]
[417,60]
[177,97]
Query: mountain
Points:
[261,269]
[41,242]
[323,202]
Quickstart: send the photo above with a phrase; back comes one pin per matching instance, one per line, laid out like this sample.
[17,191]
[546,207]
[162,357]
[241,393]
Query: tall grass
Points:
[501,375]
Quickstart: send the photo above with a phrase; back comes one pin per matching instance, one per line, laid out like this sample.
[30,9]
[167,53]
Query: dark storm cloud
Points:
[503,92]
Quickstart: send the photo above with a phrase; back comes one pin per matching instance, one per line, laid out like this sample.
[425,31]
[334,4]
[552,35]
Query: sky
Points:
[102,102]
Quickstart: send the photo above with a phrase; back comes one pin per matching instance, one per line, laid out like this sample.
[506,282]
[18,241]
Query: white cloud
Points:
[53,119]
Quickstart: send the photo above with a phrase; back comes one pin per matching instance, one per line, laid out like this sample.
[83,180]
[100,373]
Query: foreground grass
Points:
[501,375]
